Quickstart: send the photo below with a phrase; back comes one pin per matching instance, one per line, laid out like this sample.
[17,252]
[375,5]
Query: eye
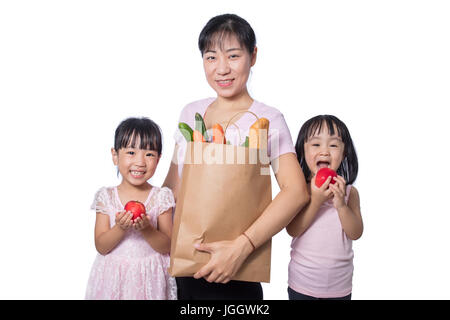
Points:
[334,146]
[150,154]
[234,56]
[130,152]
[315,145]
[210,58]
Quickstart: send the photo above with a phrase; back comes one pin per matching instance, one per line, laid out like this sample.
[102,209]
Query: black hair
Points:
[144,129]
[349,165]
[225,25]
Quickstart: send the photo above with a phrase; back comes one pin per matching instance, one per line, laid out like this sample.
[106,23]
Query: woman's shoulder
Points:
[263,110]
[196,106]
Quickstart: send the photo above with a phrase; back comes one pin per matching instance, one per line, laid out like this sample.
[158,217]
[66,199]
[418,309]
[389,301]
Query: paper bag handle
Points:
[239,131]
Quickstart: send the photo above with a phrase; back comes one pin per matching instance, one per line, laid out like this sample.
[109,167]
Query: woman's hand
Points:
[338,190]
[226,259]
[123,220]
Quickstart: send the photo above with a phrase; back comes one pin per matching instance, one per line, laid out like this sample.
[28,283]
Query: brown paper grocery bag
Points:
[224,189]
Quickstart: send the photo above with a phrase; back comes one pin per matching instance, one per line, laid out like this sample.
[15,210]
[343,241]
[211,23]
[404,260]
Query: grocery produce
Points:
[200,126]
[135,207]
[218,134]
[186,131]
[323,174]
[197,136]
[254,132]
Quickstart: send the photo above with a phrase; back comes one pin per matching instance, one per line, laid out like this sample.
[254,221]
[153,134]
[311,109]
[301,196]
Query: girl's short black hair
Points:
[349,165]
[223,26]
[144,129]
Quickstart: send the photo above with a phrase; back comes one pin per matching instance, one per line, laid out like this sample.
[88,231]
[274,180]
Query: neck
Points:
[239,101]
[127,187]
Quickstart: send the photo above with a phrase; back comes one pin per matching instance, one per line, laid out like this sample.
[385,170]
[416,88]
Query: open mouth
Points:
[322,164]
[137,174]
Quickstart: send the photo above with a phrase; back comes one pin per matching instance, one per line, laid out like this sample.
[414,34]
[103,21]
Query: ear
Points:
[254,54]
[115,156]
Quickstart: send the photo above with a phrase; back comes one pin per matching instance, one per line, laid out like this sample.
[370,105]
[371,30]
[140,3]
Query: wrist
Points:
[120,228]
[247,242]
[342,206]
[317,200]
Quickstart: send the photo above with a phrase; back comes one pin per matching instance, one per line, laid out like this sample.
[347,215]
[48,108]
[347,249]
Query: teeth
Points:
[137,173]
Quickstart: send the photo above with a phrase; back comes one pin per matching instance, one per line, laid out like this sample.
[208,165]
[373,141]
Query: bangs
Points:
[141,133]
[316,126]
[132,138]
[218,38]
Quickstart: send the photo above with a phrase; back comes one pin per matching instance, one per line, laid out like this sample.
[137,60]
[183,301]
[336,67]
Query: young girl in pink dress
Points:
[321,265]
[133,255]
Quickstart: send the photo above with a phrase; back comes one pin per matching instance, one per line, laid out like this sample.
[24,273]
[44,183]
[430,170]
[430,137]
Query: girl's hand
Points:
[142,222]
[338,190]
[123,219]
[323,193]
[226,259]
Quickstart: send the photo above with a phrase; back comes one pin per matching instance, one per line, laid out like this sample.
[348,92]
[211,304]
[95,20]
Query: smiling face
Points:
[135,165]
[227,67]
[324,150]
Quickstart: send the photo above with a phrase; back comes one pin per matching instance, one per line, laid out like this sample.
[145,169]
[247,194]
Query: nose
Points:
[222,66]
[324,151]
[140,159]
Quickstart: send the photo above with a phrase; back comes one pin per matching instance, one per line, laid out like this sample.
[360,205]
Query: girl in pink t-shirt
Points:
[321,265]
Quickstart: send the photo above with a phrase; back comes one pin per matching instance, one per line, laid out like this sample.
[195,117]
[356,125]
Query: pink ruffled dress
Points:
[133,270]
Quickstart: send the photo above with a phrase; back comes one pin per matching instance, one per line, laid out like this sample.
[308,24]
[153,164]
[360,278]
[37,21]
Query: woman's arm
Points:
[293,196]
[228,256]
[303,220]
[173,180]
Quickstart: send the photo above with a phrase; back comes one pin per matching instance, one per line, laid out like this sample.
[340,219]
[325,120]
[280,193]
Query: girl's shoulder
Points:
[105,192]
[104,199]
[352,192]
[162,198]
[161,192]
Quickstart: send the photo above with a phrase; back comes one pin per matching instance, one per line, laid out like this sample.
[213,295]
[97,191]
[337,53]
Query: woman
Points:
[228,47]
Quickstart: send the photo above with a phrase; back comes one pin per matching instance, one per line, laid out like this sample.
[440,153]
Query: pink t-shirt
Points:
[279,137]
[322,257]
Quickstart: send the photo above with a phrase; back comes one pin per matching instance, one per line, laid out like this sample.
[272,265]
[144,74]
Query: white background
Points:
[70,71]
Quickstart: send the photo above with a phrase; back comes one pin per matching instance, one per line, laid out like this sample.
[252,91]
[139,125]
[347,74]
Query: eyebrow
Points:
[228,50]
[332,138]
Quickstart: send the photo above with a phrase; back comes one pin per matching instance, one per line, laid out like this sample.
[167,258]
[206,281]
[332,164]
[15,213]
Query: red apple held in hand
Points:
[323,174]
[136,208]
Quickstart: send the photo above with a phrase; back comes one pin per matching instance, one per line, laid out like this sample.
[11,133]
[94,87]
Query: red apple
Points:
[136,208]
[323,174]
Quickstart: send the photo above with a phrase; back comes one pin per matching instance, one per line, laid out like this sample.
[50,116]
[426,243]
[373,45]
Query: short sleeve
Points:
[280,140]
[166,200]
[100,203]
